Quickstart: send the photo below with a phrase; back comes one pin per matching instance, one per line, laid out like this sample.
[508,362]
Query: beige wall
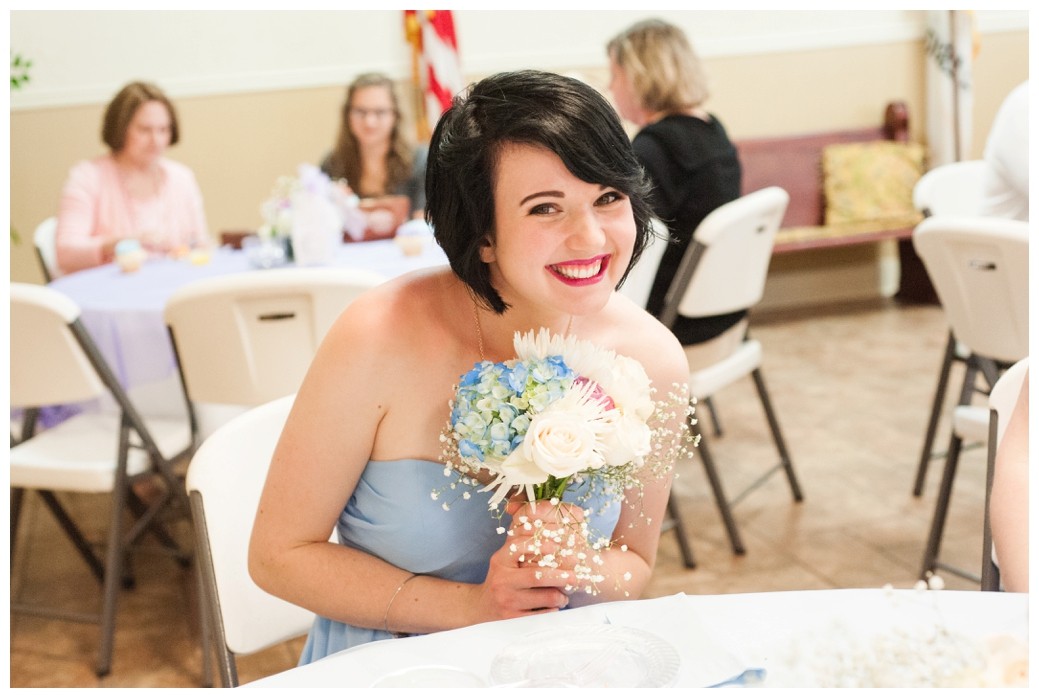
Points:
[237,144]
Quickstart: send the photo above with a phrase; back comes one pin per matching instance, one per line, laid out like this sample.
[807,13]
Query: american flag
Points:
[436,68]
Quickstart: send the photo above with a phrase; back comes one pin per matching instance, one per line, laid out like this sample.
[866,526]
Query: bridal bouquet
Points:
[564,415]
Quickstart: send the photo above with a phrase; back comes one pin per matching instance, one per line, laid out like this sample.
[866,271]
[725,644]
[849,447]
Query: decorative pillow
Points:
[871,180]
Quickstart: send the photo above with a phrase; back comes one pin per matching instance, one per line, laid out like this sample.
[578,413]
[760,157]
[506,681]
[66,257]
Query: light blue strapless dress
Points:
[392,516]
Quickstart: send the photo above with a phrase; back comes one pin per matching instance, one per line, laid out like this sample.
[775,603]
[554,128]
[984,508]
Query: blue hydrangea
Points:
[495,401]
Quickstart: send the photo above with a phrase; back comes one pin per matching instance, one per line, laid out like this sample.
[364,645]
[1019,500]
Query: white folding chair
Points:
[54,361]
[640,279]
[46,253]
[224,482]
[1001,404]
[724,270]
[245,339]
[954,189]
[979,267]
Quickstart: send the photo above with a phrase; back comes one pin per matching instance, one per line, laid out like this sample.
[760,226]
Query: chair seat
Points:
[79,454]
[971,422]
[705,382]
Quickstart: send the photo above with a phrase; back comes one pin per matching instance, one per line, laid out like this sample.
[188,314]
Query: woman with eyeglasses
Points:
[371,152]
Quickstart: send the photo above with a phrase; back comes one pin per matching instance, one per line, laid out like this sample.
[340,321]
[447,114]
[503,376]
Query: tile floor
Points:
[852,387]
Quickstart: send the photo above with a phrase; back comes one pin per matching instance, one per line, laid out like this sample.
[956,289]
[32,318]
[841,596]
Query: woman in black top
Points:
[658,84]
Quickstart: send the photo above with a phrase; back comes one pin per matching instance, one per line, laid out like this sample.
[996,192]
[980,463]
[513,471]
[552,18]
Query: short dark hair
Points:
[119,113]
[528,107]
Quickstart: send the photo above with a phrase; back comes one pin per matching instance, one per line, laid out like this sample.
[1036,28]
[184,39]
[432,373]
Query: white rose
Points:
[561,442]
[518,469]
[627,441]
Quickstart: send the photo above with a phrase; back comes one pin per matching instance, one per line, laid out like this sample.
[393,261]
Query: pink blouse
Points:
[95,206]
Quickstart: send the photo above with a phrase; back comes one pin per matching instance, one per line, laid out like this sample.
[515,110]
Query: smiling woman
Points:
[134,192]
[537,199]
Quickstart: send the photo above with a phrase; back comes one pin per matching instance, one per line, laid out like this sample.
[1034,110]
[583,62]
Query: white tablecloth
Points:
[123,311]
[802,638]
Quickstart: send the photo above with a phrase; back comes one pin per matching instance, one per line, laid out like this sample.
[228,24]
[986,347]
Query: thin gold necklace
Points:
[479,329]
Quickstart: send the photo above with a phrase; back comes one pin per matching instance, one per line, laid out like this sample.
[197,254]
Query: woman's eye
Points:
[541,209]
[608,198]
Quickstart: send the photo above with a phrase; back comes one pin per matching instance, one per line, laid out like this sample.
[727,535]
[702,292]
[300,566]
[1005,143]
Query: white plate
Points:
[433,676]
[587,656]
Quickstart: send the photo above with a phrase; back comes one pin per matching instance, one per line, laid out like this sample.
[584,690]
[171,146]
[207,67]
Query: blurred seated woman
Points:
[134,192]
[371,153]
[658,84]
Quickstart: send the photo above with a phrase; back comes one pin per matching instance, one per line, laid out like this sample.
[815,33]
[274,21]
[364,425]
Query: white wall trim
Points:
[60,79]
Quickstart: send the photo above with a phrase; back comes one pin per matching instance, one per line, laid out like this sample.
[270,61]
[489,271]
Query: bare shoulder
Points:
[397,317]
[635,333]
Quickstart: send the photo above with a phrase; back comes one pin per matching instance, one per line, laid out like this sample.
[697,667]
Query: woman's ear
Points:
[487,253]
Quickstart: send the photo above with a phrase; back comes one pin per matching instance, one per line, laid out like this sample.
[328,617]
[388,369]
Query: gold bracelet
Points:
[386,616]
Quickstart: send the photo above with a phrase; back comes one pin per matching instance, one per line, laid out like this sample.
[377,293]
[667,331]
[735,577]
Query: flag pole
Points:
[413,31]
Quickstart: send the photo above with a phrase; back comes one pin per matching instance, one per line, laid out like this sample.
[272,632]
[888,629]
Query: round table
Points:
[123,311]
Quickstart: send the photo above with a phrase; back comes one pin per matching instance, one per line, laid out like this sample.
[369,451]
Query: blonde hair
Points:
[665,72]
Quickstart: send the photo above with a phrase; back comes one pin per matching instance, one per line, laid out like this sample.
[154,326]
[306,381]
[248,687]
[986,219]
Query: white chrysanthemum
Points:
[621,377]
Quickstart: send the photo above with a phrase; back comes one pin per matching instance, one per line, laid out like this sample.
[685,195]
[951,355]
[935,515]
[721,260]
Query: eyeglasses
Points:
[362,114]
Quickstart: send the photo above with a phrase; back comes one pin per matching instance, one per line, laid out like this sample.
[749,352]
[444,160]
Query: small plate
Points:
[432,676]
[588,656]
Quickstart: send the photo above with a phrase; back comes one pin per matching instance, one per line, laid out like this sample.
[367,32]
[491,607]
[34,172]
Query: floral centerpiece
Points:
[564,415]
[311,210]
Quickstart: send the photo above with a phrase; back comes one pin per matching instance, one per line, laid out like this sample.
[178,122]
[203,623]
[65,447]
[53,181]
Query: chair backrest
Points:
[49,365]
[224,481]
[640,279]
[979,267]
[249,338]
[954,189]
[1003,396]
[725,266]
[43,240]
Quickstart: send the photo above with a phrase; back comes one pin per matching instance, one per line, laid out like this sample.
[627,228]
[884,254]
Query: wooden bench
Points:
[795,164]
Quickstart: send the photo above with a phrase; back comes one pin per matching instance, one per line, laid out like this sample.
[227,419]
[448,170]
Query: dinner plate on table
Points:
[588,656]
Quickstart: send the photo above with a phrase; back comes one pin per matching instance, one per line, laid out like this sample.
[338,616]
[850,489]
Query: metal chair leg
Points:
[719,496]
[941,509]
[709,401]
[989,571]
[936,411]
[684,544]
[777,435]
[226,664]
[205,628]
[114,556]
[17,497]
